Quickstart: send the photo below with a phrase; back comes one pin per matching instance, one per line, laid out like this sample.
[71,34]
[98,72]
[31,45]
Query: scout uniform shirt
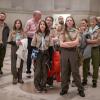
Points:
[41,39]
[71,35]
[94,34]
[15,36]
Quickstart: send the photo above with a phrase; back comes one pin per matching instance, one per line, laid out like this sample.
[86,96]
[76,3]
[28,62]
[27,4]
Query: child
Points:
[15,40]
[41,41]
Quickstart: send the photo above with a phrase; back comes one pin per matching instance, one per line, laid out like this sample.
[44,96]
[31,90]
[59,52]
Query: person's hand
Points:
[18,42]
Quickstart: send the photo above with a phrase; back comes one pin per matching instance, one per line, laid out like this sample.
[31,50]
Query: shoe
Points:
[39,90]
[14,81]
[63,92]
[1,72]
[44,89]
[73,84]
[94,85]
[84,83]
[28,75]
[20,81]
[81,93]
[51,86]
[89,74]
[27,72]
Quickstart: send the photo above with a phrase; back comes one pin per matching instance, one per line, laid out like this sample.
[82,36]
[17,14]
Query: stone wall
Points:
[22,9]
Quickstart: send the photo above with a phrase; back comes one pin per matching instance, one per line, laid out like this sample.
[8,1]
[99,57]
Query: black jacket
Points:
[5,34]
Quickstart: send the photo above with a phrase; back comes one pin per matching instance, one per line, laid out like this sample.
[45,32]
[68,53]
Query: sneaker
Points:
[81,93]
[63,92]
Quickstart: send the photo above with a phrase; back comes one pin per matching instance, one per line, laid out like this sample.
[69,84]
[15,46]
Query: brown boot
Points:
[20,77]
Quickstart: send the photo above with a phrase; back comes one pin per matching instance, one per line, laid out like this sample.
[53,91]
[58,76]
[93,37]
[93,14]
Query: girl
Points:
[14,39]
[69,41]
[41,40]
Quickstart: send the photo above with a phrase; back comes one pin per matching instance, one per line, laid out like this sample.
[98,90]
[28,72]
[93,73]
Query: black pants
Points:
[2,55]
[50,79]
[29,61]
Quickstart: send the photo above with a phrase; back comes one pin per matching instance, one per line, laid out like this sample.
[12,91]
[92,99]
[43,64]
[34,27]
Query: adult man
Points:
[30,29]
[4,33]
[61,20]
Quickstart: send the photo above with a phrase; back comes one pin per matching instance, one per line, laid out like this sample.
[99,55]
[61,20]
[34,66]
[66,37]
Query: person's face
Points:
[42,26]
[37,17]
[69,22]
[84,24]
[17,25]
[49,22]
[61,19]
[2,17]
[93,22]
[59,27]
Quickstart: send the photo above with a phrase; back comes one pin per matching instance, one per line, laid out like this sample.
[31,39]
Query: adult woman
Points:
[94,41]
[85,49]
[69,41]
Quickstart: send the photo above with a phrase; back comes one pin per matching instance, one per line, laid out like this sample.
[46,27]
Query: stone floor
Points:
[27,90]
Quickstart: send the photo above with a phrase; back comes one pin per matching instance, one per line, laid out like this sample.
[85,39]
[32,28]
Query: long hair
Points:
[66,27]
[47,31]
[14,26]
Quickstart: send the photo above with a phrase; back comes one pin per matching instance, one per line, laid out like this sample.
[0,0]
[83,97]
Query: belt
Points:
[43,51]
[71,48]
[95,47]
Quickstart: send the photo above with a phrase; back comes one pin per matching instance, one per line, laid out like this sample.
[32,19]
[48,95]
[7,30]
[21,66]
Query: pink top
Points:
[31,28]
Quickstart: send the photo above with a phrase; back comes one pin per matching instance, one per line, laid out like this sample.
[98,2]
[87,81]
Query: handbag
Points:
[34,54]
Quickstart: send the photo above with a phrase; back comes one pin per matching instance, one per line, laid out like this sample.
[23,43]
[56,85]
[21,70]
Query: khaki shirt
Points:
[1,29]
[73,34]
[37,39]
[52,34]
[12,36]
[96,35]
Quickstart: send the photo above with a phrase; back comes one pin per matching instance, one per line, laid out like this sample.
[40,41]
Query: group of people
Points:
[60,49]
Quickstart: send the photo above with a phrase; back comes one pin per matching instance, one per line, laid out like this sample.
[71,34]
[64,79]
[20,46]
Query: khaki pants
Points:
[69,63]
[40,70]
[86,65]
[95,62]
